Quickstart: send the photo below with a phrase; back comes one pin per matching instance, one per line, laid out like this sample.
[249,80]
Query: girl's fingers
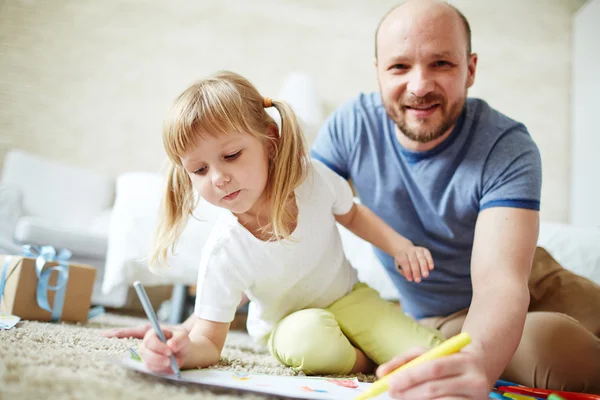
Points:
[154,361]
[403,265]
[415,268]
[423,264]
[154,344]
[429,258]
[179,341]
[137,332]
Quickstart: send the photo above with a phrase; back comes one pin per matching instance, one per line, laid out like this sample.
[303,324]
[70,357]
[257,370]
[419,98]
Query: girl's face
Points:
[229,171]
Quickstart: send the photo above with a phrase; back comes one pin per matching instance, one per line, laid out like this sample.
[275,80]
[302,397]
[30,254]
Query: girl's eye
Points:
[233,156]
[200,171]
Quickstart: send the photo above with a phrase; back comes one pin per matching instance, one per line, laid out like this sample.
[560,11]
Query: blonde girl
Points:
[278,244]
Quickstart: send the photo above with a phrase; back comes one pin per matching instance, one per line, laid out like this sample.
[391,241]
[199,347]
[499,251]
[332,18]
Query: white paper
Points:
[286,386]
[7,321]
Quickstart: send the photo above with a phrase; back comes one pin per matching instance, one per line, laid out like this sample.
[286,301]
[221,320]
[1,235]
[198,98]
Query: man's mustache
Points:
[428,100]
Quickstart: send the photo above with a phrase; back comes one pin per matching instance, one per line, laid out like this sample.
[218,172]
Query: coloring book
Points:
[285,386]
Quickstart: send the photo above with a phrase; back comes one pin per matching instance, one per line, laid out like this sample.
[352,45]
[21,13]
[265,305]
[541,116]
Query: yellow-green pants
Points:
[321,341]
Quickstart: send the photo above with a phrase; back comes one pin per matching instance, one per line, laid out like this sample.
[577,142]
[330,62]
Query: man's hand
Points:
[136,332]
[414,262]
[456,376]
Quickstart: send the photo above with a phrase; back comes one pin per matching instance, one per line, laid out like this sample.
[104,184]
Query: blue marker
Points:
[154,321]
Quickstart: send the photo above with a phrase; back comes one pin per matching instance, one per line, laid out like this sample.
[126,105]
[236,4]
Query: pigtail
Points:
[288,169]
[176,206]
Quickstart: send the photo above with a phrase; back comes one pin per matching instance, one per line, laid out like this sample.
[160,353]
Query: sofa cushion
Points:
[131,230]
[10,209]
[39,231]
[67,195]
[575,248]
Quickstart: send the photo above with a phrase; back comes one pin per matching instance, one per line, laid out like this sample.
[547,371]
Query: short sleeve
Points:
[512,176]
[343,199]
[220,285]
[336,139]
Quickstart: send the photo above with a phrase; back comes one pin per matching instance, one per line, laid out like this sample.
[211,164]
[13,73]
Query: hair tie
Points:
[267,102]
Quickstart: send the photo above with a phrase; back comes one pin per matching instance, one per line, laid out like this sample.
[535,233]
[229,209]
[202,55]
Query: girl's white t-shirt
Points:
[279,277]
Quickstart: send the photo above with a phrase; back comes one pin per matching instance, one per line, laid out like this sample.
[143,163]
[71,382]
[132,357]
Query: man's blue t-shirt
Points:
[433,197]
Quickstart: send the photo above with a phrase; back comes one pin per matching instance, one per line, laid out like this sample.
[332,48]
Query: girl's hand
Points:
[156,354]
[137,332]
[414,262]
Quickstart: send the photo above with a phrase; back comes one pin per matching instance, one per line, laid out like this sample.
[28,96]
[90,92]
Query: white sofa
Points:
[45,202]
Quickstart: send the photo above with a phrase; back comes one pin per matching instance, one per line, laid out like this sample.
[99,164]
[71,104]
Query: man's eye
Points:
[233,156]
[442,63]
[200,171]
[400,66]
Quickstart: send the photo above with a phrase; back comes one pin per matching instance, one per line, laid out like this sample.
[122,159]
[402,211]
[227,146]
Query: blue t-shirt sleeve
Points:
[512,176]
[336,139]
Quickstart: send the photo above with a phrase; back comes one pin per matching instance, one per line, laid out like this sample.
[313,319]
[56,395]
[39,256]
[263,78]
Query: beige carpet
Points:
[66,361]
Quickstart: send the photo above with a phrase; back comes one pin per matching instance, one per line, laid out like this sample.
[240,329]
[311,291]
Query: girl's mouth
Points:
[231,196]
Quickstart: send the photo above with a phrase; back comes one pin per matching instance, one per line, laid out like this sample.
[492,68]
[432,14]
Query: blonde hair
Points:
[227,102]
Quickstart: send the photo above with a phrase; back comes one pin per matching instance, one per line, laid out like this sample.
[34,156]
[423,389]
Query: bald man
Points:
[461,179]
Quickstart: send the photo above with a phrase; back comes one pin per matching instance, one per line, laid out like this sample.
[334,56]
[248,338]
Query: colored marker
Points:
[499,396]
[501,382]
[450,346]
[518,396]
[553,396]
[544,393]
[154,321]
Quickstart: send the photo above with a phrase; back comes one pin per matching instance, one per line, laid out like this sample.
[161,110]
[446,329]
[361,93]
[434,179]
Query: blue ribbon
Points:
[43,255]
[3,276]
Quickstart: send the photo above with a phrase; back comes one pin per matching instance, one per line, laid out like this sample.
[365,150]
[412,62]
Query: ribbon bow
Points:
[43,255]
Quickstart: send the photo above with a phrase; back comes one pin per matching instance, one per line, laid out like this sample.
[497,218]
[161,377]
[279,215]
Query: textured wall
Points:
[585,190]
[88,81]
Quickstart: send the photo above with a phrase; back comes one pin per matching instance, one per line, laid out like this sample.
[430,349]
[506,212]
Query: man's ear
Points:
[471,70]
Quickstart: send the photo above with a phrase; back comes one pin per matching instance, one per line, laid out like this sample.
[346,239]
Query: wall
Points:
[88,82]
[585,210]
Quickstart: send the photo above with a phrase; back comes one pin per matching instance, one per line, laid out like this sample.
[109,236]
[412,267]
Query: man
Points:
[463,180]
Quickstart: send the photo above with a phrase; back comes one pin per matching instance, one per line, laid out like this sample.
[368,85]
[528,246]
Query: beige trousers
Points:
[560,347]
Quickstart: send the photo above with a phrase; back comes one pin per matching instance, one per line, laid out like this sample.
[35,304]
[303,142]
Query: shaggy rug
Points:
[66,361]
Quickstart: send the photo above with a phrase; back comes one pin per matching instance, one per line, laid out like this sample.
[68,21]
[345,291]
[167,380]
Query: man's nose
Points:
[420,82]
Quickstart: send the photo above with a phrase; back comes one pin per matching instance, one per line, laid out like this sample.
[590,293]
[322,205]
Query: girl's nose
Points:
[220,178]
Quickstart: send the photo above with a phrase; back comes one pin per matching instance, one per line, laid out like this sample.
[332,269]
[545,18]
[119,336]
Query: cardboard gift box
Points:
[20,295]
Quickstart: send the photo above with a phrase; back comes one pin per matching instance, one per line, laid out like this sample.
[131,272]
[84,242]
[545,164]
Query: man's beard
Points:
[428,134]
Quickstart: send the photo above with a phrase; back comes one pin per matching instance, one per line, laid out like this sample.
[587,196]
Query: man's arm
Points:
[504,245]
[503,249]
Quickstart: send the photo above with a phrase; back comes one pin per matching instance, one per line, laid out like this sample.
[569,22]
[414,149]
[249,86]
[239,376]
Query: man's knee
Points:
[311,341]
[556,352]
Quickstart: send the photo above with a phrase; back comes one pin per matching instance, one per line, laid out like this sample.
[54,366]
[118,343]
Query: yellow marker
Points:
[517,396]
[452,345]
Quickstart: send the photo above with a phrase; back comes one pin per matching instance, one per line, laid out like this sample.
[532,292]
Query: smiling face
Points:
[229,170]
[423,70]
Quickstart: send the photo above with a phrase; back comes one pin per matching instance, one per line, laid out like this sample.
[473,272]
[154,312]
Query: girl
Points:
[278,244]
